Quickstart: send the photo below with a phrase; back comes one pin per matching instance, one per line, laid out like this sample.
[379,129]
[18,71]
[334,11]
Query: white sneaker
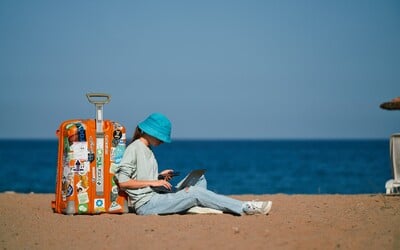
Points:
[257,207]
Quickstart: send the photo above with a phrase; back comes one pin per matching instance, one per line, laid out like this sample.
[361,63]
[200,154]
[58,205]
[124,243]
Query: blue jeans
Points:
[197,195]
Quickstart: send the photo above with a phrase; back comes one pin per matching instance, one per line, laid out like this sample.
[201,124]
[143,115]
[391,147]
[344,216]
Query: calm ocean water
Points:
[233,166]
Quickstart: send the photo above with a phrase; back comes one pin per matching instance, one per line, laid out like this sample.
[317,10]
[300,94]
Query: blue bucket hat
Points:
[158,126]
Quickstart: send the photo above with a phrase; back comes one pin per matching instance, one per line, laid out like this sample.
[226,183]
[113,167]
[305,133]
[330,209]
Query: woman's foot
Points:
[257,207]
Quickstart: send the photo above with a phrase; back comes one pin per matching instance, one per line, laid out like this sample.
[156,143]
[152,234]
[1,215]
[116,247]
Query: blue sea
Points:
[233,166]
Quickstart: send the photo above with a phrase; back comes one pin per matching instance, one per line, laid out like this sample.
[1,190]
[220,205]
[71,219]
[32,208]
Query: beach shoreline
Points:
[365,221]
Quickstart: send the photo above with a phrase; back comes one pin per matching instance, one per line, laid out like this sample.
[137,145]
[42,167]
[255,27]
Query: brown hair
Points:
[137,134]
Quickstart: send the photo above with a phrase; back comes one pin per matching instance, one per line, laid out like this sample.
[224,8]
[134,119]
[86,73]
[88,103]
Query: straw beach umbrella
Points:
[394,104]
[393,185]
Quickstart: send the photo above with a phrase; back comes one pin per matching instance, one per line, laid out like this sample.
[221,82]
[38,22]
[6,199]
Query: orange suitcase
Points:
[89,150]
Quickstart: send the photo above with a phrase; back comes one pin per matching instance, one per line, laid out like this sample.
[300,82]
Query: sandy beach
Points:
[295,222]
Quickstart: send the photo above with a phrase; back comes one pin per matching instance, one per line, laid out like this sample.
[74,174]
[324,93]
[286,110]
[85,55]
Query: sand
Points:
[295,222]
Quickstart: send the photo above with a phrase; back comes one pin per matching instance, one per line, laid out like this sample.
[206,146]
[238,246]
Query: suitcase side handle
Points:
[98,98]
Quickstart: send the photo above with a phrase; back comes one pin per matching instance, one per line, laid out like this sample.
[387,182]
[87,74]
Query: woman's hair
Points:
[137,134]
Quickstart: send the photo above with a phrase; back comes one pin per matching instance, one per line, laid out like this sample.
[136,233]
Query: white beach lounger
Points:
[393,185]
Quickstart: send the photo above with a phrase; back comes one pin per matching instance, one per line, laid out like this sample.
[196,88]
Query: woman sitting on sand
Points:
[138,175]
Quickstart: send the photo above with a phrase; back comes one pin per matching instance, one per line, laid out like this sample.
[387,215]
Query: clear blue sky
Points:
[218,69]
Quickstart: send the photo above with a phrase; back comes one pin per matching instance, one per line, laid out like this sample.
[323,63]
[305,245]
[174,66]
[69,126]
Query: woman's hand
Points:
[167,174]
[160,183]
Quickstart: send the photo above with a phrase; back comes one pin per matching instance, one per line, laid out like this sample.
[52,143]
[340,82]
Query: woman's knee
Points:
[202,182]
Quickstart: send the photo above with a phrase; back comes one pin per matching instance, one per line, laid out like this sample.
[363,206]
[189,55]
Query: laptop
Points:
[191,179]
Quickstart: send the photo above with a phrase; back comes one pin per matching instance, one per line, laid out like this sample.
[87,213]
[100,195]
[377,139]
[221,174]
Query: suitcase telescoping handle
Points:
[99,99]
